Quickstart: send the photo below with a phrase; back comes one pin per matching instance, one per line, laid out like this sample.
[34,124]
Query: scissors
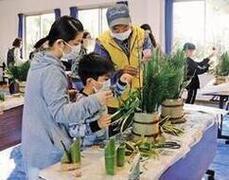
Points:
[168,144]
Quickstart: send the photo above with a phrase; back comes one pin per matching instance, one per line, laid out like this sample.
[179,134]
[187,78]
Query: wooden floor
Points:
[10,127]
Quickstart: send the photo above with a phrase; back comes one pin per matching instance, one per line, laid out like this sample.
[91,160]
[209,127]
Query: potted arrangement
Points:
[222,69]
[17,76]
[144,103]
[146,122]
[163,83]
[172,106]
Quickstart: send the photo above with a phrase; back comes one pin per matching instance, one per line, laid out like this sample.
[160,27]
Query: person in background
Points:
[148,29]
[14,53]
[47,109]
[193,70]
[85,45]
[124,45]
[95,73]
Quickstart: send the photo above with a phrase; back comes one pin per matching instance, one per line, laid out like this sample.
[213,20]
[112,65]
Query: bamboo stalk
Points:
[75,151]
[110,157]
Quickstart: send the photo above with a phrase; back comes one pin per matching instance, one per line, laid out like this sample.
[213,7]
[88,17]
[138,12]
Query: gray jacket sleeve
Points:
[54,90]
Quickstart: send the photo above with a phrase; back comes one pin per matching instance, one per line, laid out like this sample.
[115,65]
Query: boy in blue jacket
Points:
[95,73]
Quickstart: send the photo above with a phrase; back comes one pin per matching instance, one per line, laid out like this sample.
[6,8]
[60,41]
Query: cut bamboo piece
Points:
[75,151]
[110,157]
[121,155]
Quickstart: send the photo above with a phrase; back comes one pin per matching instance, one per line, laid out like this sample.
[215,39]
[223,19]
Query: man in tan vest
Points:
[127,46]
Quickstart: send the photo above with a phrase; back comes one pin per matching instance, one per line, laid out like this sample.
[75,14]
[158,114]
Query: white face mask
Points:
[122,36]
[106,86]
[73,54]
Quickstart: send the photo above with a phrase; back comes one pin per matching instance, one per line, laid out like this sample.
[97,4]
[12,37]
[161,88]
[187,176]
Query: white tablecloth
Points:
[199,119]
[11,102]
[211,88]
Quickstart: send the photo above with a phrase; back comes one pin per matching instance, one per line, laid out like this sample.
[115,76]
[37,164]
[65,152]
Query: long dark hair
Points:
[151,36]
[65,28]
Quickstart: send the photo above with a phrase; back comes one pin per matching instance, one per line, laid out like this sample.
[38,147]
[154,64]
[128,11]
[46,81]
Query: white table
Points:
[199,120]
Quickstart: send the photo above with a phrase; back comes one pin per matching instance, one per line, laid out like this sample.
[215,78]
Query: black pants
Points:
[191,96]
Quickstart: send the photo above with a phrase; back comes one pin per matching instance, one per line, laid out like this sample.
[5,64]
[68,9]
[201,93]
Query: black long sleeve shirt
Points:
[194,69]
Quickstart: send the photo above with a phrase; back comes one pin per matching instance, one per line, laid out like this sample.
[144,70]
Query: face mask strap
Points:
[65,43]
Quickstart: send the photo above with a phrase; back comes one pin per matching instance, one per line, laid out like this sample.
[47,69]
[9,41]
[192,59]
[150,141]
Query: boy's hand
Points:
[133,71]
[104,96]
[104,121]
[126,78]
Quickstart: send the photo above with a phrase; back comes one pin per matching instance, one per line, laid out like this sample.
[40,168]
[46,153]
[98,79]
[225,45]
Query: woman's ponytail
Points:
[40,42]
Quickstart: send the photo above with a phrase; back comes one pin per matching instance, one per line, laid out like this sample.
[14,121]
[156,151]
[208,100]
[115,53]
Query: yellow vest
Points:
[120,59]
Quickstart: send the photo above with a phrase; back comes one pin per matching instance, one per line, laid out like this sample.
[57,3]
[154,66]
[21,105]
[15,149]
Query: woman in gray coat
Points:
[47,109]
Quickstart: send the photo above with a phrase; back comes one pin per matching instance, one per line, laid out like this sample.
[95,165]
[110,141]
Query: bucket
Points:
[174,109]
[146,125]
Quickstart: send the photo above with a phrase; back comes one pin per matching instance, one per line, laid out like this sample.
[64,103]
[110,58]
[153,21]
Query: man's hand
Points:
[126,78]
[133,71]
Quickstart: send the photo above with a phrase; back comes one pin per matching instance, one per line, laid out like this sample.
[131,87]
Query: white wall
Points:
[142,11]
[151,12]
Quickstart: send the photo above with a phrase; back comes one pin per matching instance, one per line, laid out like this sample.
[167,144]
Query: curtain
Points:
[168,26]
[122,2]
[74,12]
[57,12]
[20,29]
[20,25]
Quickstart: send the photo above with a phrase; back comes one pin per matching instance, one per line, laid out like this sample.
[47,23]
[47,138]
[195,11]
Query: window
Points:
[217,28]
[188,23]
[203,22]
[94,20]
[104,20]
[36,27]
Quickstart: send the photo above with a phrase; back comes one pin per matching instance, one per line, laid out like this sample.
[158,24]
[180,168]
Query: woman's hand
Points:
[104,96]
[104,121]
[214,52]
[212,61]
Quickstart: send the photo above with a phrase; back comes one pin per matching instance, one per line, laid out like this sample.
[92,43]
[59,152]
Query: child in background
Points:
[194,69]
[95,73]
